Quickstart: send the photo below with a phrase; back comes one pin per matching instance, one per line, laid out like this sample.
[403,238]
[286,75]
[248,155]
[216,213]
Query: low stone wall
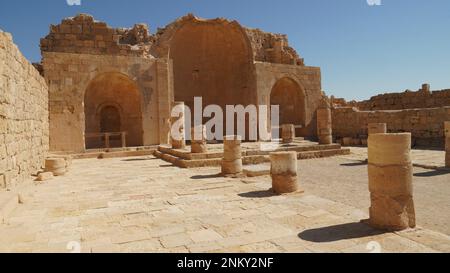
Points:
[426,125]
[407,100]
[24,137]
[423,98]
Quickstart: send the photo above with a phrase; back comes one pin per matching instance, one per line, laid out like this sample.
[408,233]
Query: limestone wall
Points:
[69,76]
[426,125]
[423,98]
[272,48]
[24,135]
[407,100]
[82,34]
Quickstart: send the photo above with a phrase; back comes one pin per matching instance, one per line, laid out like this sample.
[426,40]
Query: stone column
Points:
[324,130]
[288,133]
[57,166]
[123,136]
[232,155]
[284,172]
[390,182]
[179,143]
[198,140]
[447,143]
[377,128]
[107,142]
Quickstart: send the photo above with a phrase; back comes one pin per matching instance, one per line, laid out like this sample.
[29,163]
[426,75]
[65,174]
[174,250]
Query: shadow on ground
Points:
[207,176]
[424,148]
[138,159]
[166,166]
[258,194]
[339,232]
[354,164]
[433,173]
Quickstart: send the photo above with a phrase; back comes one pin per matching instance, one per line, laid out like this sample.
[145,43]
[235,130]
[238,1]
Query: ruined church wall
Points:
[272,48]
[426,125]
[82,34]
[406,100]
[309,80]
[24,128]
[68,76]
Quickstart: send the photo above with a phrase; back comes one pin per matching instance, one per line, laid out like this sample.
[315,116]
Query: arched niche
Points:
[290,97]
[112,102]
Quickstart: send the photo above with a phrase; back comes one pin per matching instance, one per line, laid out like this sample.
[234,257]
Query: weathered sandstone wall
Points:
[423,98]
[426,125]
[272,48]
[407,100]
[83,34]
[80,85]
[24,133]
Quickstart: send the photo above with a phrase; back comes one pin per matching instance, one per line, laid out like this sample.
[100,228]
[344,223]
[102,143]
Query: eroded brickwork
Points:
[24,135]
[272,48]
[83,34]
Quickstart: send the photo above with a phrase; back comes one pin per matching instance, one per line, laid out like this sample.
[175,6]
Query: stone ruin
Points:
[100,89]
[103,79]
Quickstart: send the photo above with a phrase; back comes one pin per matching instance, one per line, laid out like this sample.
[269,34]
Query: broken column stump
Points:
[232,156]
[178,141]
[57,166]
[67,158]
[390,182]
[324,130]
[377,128]
[447,143]
[347,141]
[287,133]
[284,172]
[44,176]
[198,140]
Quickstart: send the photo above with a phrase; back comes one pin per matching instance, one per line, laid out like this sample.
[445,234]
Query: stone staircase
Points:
[183,158]
[113,152]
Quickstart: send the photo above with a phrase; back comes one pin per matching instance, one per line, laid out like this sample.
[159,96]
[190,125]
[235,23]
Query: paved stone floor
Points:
[146,205]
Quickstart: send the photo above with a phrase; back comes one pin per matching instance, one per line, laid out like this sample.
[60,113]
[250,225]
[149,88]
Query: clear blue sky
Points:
[363,50]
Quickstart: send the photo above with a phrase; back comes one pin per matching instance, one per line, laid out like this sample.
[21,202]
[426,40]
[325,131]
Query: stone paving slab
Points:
[144,205]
